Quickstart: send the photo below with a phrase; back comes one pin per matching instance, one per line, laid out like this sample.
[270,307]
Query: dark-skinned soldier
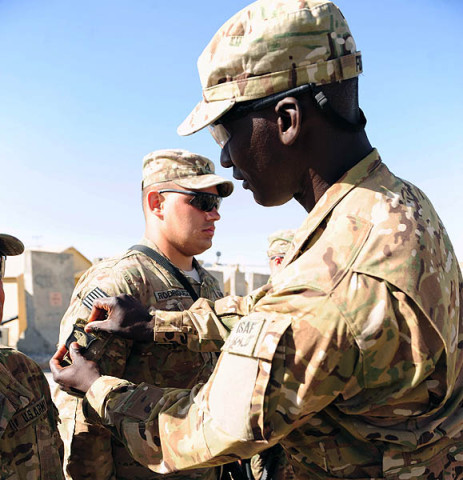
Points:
[350,357]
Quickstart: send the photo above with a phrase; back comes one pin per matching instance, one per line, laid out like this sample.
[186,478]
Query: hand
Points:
[126,317]
[79,376]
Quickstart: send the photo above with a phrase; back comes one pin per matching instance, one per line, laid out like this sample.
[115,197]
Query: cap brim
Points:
[203,115]
[224,187]
[10,245]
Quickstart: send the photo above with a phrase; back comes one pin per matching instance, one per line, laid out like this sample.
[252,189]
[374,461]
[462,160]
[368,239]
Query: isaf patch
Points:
[92,296]
[243,338]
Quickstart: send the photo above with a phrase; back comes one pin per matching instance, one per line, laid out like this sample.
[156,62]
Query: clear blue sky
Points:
[88,87]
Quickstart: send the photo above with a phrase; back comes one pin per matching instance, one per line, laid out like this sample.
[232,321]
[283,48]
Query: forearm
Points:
[165,439]
[204,327]
[216,423]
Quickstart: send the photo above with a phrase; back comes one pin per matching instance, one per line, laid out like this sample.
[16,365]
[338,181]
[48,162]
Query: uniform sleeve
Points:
[277,366]
[30,446]
[205,325]
[88,447]
[109,351]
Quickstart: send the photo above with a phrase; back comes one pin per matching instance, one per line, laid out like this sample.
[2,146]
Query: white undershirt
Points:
[193,274]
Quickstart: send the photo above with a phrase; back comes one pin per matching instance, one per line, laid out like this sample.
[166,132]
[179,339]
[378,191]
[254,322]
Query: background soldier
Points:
[278,244]
[351,357]
[30,445]
[181,196]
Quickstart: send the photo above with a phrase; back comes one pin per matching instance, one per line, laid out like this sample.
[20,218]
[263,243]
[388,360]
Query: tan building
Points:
[38,286]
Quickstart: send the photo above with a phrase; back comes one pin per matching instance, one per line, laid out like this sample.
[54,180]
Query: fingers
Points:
[101,307]
[74,351]
[55,361]
[76,378]
[60,352]
[98,326]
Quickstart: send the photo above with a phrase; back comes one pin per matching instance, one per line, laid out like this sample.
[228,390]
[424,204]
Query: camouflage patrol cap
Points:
[279,242]
[189,170]
[10,245]
[268,47]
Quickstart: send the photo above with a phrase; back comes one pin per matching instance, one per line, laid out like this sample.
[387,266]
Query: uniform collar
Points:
[352,178]
[149,243]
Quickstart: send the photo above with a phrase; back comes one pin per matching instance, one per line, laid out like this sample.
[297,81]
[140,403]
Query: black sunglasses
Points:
[202,200]
[221,135]
[2,266]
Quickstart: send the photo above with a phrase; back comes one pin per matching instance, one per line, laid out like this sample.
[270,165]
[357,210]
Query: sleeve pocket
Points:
[237,391]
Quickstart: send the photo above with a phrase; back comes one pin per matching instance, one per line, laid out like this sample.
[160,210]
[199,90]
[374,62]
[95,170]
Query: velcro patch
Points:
[244,336]
[28,415]
[80,336]
[175,292]
[92,296]
[84,340]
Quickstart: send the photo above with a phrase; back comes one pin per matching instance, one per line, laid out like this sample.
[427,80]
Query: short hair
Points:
[343,98]
[154,187]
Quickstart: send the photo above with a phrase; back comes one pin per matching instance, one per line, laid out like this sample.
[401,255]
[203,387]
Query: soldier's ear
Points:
[155,202]
[289,113]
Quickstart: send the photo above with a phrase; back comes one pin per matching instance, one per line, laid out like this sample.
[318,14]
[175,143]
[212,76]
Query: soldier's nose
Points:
[225,159]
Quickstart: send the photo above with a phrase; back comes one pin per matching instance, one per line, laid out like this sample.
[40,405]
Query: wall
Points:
[48,286]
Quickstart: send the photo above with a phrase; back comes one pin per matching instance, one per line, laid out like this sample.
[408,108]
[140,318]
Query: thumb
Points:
[101,308]
[74,351]
[97,326]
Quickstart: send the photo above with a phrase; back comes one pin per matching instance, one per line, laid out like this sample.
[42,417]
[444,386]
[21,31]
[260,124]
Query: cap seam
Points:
[258,78]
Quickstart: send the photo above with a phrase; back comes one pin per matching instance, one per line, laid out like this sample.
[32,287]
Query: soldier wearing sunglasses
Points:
[30,445]
[181,196]
[351,357]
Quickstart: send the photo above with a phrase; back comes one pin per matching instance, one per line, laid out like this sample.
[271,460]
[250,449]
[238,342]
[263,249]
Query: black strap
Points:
[149,252]
[325,106]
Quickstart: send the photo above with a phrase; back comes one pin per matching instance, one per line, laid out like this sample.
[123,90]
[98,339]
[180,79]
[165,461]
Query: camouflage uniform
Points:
[30,445]
[350,358]
[274,459]
[279,242]
[90,452]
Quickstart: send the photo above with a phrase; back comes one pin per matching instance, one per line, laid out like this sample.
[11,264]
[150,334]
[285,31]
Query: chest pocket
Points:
[237,392]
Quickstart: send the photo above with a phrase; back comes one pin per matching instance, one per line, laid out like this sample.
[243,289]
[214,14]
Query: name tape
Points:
[166,294]
[29,415]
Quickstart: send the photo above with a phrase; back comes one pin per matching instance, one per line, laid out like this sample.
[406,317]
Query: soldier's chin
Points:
[205,245]
[266,201]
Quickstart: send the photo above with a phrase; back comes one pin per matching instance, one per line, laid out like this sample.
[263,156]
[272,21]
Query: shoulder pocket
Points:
[236,394]
[256,335]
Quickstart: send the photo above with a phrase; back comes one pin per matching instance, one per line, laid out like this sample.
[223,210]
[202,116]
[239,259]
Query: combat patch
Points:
[28,415]
[80,336]
[92,296]
[175,292]
[243,338]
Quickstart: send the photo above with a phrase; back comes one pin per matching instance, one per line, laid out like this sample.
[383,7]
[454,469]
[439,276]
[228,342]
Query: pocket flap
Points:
[256,335]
